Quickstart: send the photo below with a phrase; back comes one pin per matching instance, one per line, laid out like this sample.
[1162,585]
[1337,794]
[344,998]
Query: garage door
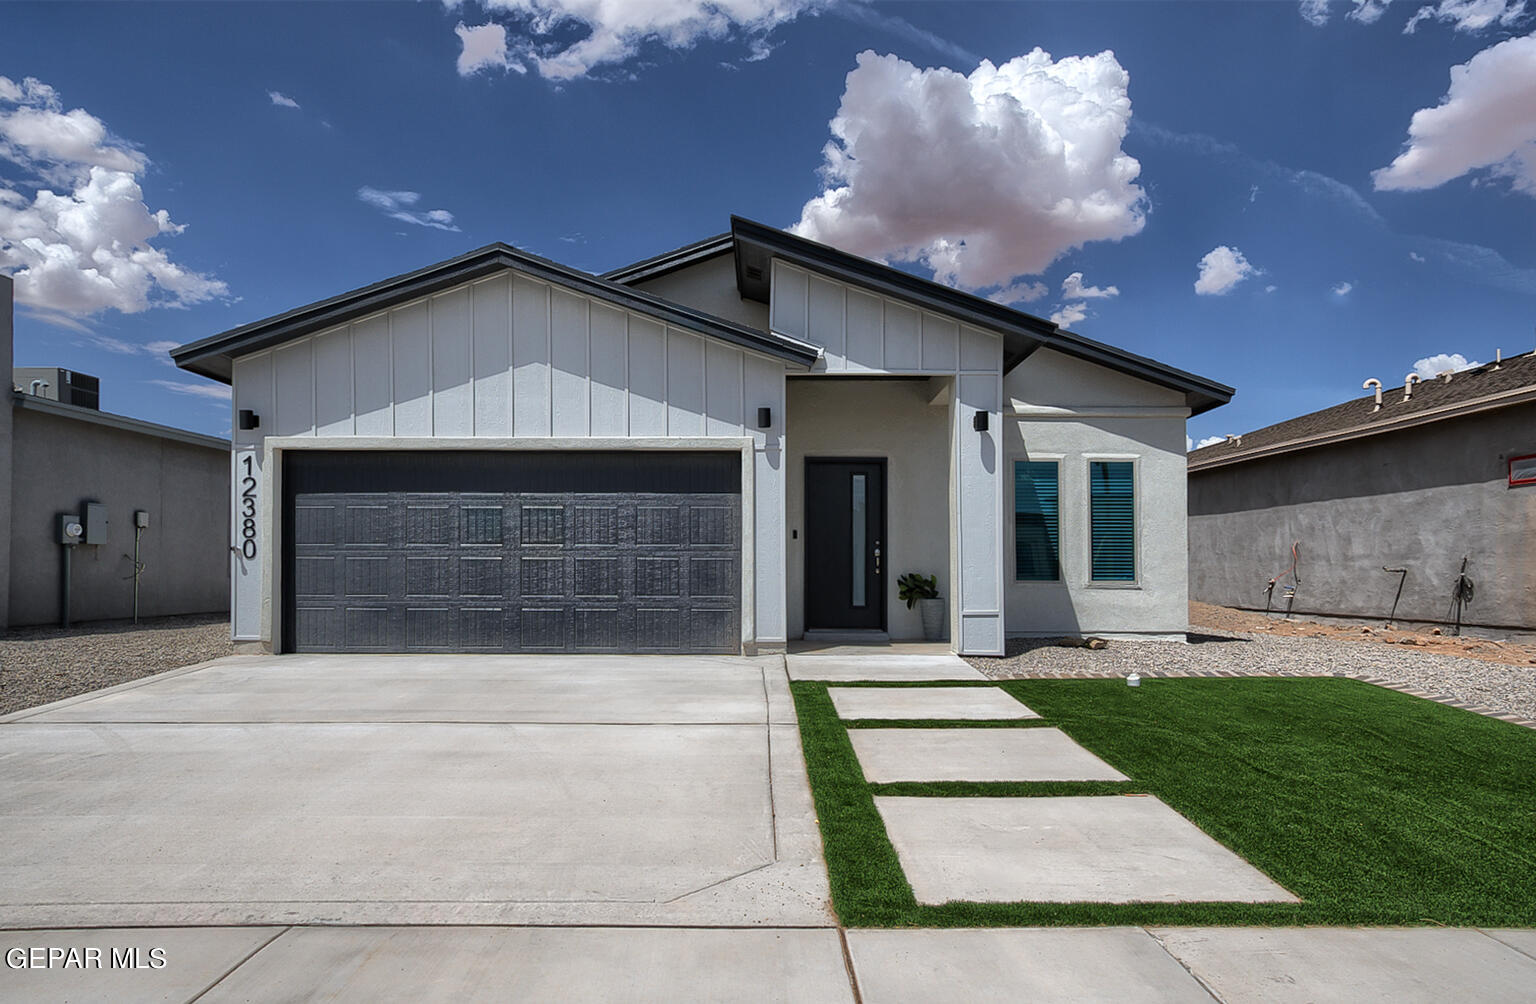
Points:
[479,551]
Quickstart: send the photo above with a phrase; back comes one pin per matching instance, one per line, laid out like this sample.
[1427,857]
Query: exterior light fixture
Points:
[765,418]
[979,421]
[249,419]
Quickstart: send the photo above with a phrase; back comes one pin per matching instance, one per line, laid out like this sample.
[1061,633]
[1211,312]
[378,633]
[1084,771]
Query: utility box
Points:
[95,524]
[140,518]
[70,529]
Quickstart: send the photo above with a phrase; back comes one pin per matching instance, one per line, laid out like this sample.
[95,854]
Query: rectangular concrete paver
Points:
[880,667]
[1521,941]
[1014,964]
[1342,964]
[958,703]
[1102,849]
[1035,754]
[543,964]
[191,960]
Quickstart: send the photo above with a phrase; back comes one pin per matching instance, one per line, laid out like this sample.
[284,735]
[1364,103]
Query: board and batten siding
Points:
[863,333]
[514,357]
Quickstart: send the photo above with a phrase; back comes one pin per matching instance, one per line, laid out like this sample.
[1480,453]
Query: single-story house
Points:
[137,491]
[1393,502]
[741,442]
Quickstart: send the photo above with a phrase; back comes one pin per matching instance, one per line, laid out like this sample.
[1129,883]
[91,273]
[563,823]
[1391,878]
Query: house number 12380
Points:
[248,508]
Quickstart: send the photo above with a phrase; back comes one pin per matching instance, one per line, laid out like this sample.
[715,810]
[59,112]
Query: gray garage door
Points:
[512,552]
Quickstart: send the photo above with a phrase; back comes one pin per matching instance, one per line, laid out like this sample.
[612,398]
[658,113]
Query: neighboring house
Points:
[716,450]
[59,452]
[1440,472]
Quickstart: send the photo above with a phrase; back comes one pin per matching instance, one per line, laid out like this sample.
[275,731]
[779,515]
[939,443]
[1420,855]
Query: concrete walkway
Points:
[775,964]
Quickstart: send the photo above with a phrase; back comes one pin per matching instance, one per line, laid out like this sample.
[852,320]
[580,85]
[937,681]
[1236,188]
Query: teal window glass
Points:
[1112,504]
[1036,521]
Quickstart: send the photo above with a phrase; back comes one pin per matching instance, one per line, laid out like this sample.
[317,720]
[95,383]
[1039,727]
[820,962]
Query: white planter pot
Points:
[932,612]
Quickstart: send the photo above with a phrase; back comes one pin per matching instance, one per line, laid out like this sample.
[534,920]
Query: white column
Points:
[977,604]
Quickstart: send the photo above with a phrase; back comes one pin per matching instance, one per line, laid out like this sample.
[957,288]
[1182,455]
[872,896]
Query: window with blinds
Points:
[1112,518]
[1036,521]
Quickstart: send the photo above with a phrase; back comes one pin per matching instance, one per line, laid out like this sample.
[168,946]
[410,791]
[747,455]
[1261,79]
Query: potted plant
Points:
[922,591]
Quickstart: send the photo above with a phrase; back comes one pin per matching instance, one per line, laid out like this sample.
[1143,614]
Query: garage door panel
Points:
[406,570]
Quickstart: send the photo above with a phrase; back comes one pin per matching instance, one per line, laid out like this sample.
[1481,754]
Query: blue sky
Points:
[1270,140]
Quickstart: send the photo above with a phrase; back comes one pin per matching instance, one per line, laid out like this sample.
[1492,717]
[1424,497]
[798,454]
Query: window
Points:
[1036,524]
[1112,515]
[1522,470]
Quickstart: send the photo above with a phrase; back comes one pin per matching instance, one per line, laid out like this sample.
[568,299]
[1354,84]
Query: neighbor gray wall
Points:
[1418,499]
[60,461]
[7,335]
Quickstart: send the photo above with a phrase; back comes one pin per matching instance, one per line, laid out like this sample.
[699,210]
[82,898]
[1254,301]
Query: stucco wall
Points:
[890,419]
[1074,412]
[61,461]
[709,286]
[7,332]
[1418,499]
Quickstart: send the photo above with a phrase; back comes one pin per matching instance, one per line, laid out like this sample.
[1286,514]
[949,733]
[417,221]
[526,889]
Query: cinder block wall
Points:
[1418,499]
[58,462]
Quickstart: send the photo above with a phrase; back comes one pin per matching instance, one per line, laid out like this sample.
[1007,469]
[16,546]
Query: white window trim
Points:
[1089,582]
[1060,460]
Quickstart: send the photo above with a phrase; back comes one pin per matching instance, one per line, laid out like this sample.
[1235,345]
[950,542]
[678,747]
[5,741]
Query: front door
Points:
[844,544]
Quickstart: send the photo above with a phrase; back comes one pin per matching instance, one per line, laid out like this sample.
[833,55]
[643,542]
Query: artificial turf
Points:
[1372,806]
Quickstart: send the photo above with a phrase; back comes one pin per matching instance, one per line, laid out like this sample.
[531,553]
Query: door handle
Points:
[877,557]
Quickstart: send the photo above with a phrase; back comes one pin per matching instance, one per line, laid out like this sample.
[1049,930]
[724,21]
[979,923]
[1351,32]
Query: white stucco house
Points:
[720,449]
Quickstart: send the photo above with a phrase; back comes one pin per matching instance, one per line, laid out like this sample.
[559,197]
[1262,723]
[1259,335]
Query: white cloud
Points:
[1469,15]
[1432,366]
[1270,289]
[74,230]
[1019,292]
[1368,11]
[1343,289]
[211,391]
[1221,269]
[567,39]
[282,100]
[982,178]
[484,46]
[1069,314]
[1210,441]
[1487,119]
[397,206]
[1314,12]
[1415,256]
[1072,288]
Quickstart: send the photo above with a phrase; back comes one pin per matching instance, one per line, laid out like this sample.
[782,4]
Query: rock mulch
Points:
[43,664]
[1504,690]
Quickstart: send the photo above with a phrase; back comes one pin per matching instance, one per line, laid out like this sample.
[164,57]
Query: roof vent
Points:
[1408,382]
[754,272]
[1369,384]
[1234,440]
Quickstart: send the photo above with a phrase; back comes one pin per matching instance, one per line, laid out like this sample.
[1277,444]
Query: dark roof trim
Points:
[213,357]
[671,261]
[757,244]
[47,406]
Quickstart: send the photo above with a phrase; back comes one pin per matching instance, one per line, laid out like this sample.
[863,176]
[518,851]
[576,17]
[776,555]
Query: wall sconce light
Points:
[765,418]
[249,419]
[979,421]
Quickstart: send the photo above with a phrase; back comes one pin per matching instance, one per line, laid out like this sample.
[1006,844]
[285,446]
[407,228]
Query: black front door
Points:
[844,544]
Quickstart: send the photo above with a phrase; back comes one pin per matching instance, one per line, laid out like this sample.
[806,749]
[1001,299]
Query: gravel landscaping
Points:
[43,664]
[1501,687]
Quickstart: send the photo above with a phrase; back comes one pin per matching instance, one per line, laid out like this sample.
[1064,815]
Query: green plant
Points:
[915,586]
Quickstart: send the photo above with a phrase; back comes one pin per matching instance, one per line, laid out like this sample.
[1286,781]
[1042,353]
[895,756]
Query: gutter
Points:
[1492,402]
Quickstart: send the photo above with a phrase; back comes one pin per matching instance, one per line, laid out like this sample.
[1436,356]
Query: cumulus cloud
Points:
[482,47]
[1487,119]
[982,178]
[1019,292]
[398,206]
[1343,289]
[217,392]
[1469,15]
[1314,12]
[1432,366]
[1221,270]
[1368,11]
[1210,441]
[1072,288]
[567,39]
[1270,288]
[1415,256]
[282,100]
[1069,314]
[75,233]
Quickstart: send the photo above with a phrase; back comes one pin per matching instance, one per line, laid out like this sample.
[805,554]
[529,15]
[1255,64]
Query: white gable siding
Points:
[515,357]
[863,332]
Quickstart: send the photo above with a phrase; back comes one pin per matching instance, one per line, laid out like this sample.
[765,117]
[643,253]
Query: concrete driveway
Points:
[414,790]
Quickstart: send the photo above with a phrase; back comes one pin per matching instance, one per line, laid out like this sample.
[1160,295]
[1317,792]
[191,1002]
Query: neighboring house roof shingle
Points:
[1492,385]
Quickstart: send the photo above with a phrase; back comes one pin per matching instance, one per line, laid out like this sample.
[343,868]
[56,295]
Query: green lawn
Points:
[1372,806]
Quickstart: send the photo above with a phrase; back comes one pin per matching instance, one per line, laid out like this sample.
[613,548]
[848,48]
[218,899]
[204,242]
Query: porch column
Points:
[976,603]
